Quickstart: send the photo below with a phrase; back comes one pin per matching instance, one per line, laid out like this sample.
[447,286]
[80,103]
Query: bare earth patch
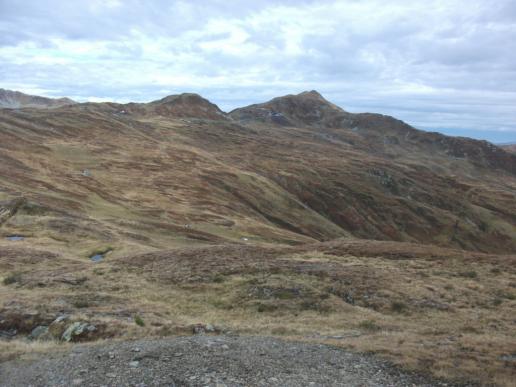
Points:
[208,361]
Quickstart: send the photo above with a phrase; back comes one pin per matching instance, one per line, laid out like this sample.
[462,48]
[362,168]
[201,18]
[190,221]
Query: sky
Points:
[440,65]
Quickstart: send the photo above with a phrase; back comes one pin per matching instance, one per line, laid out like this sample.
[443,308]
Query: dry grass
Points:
[274,185]
[15,349]
[202,218]
[419,311]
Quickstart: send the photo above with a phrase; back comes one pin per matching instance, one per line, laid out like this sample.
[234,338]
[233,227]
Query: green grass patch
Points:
[469,274]
[12,279]
[80,304]
[369,325]
[139,321]
[398,307]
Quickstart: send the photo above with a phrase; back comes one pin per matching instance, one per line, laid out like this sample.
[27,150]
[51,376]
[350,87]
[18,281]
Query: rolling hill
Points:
[16,100]
[316,174]
[286,217]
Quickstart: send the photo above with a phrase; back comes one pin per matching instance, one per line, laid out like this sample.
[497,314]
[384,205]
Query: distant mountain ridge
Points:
[308,109]
[311,110]
[508,147]
[15,100]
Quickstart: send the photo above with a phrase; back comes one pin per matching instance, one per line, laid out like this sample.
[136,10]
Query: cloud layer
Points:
[444,65]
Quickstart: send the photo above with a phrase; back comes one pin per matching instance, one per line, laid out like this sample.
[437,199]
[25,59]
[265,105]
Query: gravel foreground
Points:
[206,361]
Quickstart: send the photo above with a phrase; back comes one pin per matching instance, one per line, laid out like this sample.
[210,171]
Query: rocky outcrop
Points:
[78,331]
[9,208]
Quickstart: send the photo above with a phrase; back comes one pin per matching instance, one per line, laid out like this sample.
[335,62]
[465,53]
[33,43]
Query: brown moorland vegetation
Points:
[291,218]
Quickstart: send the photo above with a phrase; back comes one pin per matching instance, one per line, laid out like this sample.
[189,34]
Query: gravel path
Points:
[206,361]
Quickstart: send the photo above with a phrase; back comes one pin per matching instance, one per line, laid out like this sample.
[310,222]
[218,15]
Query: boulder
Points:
[210,328]
[40,333]
[21,320]
[199,329]
[8,334]
[78,331]
[58,326]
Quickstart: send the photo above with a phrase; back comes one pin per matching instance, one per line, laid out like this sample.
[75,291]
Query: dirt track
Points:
[206,361]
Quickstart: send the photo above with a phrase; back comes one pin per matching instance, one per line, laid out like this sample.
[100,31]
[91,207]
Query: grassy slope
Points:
[151,177]
[275,184]
[202,217]
[449,312]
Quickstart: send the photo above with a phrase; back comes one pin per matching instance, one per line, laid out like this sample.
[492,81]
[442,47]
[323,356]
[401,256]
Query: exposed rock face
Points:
[15,100]
[78,331]
[39,333]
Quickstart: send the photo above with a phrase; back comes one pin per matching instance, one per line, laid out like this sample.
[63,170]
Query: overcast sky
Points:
[445,65]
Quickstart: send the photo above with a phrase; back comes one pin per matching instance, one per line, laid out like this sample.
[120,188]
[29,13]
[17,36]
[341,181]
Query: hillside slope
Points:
[511,148]
[291,218]
[16,100]
[193,172]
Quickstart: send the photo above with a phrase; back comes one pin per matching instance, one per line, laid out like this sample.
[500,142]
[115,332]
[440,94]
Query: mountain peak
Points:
[308,108]
[311,93]
[174,98]
[186,105]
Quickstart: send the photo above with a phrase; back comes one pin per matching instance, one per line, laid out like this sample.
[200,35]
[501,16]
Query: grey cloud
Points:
[439,65]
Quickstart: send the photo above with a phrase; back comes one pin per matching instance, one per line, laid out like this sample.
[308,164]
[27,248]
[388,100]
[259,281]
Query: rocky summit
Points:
[292,218]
